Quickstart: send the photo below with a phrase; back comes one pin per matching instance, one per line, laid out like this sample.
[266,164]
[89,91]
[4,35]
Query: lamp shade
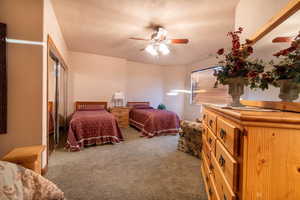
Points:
[119,95]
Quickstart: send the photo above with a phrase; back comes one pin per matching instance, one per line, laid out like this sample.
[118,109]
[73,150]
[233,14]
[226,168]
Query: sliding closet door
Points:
[51,104]
[62,105]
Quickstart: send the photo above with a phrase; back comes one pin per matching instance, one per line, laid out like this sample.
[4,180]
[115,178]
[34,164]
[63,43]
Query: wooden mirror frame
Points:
[3,80]
[291,8]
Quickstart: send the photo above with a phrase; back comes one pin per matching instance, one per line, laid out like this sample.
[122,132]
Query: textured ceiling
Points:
[104,26]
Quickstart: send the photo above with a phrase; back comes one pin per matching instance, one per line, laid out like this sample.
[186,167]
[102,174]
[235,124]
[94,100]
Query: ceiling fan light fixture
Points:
[150,49]
[164,49]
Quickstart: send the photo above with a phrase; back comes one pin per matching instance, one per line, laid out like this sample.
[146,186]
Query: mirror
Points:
[265,48]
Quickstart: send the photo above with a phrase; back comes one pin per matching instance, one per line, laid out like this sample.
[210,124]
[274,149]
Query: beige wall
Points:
[174,79]
[145,83]
[25,67]
[96,78]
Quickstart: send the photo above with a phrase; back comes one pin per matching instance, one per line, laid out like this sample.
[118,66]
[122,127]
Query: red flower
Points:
[220,51]
[249,49]
[252,74]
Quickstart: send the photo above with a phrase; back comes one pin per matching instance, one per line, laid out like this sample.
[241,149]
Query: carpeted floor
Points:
[137,169]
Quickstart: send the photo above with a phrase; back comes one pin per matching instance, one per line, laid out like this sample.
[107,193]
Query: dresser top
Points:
[256,114]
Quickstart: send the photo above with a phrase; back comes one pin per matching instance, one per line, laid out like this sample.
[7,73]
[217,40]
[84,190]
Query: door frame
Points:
[52,50]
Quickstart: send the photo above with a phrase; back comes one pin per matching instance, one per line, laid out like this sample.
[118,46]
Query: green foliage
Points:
[161,107]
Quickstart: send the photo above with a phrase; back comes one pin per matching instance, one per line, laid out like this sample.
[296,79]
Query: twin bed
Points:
[152,122]
[92,124]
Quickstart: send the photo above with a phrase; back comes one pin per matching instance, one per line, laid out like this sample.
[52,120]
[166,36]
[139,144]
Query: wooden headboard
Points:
[133,103]
[81,104]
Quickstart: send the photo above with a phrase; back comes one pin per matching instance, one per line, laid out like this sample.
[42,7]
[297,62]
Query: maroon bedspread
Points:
[154,122]
[92,127]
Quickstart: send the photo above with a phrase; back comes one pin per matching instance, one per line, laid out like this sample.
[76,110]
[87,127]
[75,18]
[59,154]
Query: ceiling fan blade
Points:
[136,38]
[282,39]
[179,41]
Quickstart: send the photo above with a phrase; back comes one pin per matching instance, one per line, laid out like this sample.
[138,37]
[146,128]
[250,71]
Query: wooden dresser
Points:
[251,155]
[122,116]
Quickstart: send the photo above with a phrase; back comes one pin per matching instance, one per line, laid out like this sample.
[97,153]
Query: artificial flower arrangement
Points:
[236,69]
[285,74]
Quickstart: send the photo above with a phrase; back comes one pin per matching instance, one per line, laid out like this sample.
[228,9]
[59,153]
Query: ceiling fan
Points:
[284,39]
[158,42]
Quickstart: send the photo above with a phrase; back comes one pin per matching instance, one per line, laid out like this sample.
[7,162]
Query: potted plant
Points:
[236,69]
[285,74]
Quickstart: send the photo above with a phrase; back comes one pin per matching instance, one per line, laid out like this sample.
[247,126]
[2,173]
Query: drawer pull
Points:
[222,134]
[222,161]
[224,197]
[209,140]
[211,167]
[210,123]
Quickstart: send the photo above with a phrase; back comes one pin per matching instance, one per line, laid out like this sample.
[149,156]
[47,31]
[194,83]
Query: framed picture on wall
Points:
[203,91]
[3,80]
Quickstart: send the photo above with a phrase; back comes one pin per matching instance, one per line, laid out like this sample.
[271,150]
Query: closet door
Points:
[52,103]
[62,105]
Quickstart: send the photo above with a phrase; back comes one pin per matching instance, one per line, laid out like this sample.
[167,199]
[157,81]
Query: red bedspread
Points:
[154,122]
[92,127]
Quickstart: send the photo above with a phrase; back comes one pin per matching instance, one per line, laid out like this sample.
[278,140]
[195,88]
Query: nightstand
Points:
[122,116]
[28,157]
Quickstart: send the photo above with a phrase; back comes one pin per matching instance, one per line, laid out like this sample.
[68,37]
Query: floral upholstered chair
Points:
[190,138]
[18,183]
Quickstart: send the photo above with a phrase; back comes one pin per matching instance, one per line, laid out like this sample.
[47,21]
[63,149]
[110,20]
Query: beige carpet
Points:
[136,169]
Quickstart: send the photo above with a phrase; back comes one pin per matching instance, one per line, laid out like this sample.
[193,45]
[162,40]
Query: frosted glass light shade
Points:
[119,95]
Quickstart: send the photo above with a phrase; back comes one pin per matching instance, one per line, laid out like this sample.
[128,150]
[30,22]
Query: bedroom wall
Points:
[25,68]
[145,83]
[95,78]
[174,79]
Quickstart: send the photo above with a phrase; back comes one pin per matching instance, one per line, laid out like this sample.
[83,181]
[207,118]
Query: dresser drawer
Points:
[206,148]
[212,121]
[228,135]
[123,118]
[206,182]
[214,192]
[121,113]
[224,190]
[211,141]
[227,164]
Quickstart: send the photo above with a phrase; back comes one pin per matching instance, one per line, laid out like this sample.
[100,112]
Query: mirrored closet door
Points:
[57,102]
